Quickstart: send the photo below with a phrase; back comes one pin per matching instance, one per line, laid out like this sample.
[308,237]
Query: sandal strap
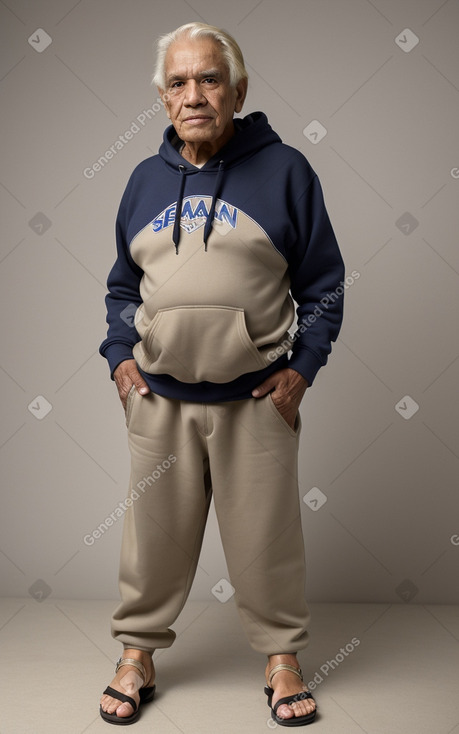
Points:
[284,666]
[135,663]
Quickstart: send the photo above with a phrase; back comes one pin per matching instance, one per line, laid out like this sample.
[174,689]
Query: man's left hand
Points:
[287,388]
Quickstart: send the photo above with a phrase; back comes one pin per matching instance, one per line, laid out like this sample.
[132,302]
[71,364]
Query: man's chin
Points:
[197,136]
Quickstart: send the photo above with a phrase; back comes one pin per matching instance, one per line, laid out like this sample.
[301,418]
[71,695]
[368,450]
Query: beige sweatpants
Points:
[245,454]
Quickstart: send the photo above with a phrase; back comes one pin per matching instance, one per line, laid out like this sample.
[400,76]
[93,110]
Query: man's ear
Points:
[164,100]
[241,93]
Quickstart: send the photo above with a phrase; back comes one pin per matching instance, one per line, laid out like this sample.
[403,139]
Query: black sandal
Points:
[301,696]
[146,694]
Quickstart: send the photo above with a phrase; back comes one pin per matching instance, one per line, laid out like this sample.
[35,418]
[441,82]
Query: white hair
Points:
[229,48]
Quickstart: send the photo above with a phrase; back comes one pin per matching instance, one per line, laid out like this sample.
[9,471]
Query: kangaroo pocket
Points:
[198,343]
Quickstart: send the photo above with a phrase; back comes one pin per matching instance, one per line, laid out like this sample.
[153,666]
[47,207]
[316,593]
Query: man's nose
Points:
[194,95]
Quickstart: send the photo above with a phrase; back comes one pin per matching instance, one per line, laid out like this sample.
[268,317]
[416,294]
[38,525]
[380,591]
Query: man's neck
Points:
[196,154]
[200,152]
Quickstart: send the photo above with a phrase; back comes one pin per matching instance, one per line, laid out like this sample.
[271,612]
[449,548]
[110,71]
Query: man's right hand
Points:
[126,375]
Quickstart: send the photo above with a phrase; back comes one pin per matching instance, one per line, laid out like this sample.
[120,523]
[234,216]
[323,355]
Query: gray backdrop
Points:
[369,91]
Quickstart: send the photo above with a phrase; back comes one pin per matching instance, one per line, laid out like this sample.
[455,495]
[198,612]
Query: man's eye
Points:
[210,79]
[175,85]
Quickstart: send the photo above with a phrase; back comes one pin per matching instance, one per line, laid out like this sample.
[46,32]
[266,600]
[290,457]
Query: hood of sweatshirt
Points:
[252,133]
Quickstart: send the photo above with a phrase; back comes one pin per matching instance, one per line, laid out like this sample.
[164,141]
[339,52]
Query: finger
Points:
[127,375]
[140,384]
[123,384]
[123,395]
[264,388]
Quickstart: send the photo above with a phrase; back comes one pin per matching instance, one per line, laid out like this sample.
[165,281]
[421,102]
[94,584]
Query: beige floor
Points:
[400,673]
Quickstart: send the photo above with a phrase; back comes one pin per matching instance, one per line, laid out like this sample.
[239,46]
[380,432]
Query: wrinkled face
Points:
[198,98]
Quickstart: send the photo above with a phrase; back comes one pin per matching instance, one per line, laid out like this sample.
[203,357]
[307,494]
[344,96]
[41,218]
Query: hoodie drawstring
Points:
[178,210]
[210,216]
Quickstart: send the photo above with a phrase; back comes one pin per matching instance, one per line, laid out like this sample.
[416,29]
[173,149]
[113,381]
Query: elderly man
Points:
[216,237]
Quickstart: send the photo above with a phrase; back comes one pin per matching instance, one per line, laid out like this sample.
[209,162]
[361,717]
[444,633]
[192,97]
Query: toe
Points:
[301,708]
[125,709]
[296,708]
[105,702]
[285,711]
[111,705]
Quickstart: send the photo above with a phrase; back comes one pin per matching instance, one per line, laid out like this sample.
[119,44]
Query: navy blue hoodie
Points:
[204,302]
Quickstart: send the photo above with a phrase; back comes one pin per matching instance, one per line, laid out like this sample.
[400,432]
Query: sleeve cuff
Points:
[306,363]
[115,354]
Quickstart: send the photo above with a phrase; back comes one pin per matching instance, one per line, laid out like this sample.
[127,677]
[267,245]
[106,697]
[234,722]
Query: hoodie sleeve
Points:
[122,300]
[316,272]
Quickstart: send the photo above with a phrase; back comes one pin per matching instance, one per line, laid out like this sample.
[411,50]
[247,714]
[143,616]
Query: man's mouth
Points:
[197,119]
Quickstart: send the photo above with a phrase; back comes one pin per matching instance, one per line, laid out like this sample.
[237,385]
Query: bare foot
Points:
[286,683]
[128,681]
